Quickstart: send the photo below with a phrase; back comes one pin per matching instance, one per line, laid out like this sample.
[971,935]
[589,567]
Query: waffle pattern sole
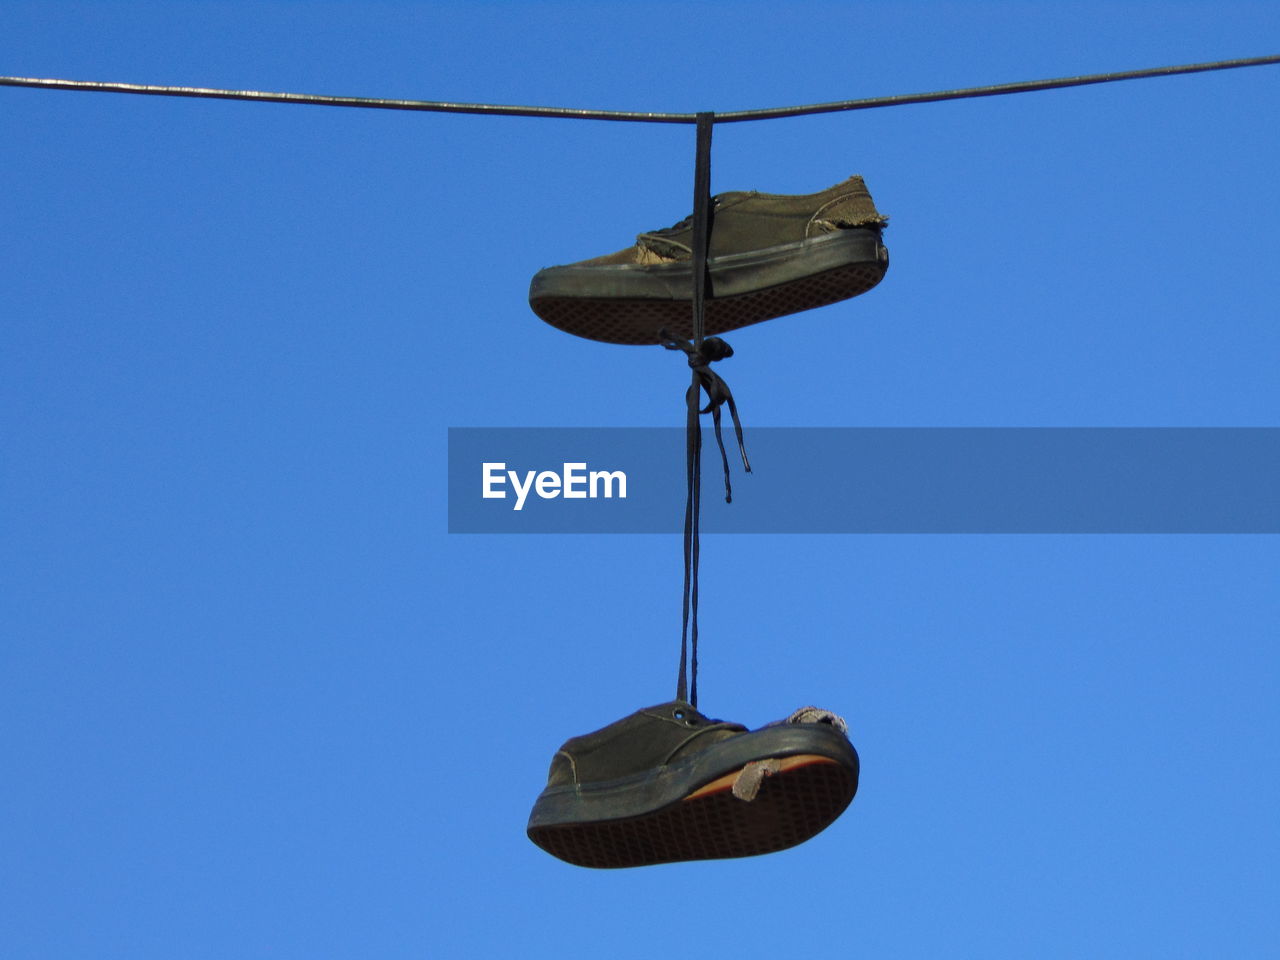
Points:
[638,321]
[791,807]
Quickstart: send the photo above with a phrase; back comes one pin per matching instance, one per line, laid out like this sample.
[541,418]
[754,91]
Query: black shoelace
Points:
[718,395]
[701,353]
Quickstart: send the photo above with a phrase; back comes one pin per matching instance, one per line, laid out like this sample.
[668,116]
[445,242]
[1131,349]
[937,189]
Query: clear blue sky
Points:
[256,702]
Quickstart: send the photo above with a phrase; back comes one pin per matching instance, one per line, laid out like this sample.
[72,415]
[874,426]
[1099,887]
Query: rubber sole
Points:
[794,804]
[631,304]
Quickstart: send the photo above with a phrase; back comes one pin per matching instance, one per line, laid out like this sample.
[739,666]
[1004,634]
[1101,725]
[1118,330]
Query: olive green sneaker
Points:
[770,255]
[668,784]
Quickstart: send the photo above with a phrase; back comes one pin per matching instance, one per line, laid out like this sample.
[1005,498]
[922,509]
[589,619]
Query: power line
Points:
[491,109]
[373,103]
[1026,86]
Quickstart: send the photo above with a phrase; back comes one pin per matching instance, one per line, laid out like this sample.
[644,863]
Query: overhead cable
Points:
[569,113]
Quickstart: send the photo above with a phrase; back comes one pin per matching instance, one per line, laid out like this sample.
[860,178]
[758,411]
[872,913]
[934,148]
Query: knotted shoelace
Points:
[718,395]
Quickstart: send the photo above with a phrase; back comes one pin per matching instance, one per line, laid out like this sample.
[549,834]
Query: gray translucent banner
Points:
[870,480]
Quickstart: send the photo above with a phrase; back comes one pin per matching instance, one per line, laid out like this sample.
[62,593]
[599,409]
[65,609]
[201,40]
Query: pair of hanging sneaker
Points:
[667,783]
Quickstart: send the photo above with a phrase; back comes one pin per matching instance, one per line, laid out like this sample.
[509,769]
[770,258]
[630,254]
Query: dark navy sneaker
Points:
[668,784]
[770,255]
